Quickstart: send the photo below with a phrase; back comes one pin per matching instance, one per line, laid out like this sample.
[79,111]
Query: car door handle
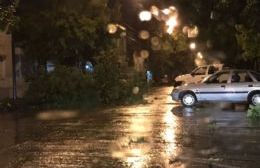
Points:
[223,86]
[250,85]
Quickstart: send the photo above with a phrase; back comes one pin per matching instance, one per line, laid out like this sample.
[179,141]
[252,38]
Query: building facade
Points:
[6,69]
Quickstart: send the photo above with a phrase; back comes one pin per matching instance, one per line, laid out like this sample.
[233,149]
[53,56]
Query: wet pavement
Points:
[157,134]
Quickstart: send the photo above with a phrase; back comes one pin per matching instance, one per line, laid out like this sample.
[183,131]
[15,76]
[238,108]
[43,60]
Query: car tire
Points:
[254,98]
[188,99]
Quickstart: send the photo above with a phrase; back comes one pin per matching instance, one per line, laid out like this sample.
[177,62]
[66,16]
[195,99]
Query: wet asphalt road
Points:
[157,134]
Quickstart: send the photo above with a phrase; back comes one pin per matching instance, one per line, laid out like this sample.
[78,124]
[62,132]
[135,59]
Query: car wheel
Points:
[188,100]
[254,99]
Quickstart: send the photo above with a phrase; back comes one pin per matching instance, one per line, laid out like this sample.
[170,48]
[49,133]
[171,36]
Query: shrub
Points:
[137,80]
[65,86]
[113,84]
[7,105]
[253,112]
[107,77]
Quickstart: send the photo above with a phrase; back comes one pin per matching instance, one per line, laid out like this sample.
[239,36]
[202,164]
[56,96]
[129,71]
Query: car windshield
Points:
[199,71]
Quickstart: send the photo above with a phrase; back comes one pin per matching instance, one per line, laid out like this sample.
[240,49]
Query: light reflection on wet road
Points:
[157,134]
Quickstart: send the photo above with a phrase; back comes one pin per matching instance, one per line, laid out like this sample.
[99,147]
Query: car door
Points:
[241,83]
[214,88]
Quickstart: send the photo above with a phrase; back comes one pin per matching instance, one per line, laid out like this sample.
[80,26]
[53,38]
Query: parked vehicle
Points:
[225,86]
[197,74]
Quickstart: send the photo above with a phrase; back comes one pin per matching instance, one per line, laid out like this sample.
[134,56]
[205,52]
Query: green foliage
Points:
[7,17]
[107,76]
[113,85]
[65,32]
[217,22]
[253,112]
[251,13]
[172,56]
[249,41]
[65,86]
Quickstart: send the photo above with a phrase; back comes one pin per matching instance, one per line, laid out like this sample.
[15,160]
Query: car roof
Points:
[235,70]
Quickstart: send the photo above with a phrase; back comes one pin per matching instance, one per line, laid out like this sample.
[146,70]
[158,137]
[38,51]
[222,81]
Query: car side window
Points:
[219,78]
[212,70]
[240,76]
[248,78]
[236,77]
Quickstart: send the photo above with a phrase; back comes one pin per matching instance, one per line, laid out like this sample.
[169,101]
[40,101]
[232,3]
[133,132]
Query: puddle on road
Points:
[142,146]
[56,115]
[133,148]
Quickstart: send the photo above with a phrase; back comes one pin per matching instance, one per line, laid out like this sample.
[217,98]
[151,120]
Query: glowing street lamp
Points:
[193,46]
[171,23]
[145,16]
[111,28]
[166,11]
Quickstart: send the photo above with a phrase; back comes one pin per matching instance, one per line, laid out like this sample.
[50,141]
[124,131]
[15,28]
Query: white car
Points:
[197,74]
[224,86]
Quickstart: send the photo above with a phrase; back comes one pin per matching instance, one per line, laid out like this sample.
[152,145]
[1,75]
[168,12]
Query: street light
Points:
[193,46]
[111,28]
[145,16]
[171,23]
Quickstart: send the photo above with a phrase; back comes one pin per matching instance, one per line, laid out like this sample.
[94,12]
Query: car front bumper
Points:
[175,95]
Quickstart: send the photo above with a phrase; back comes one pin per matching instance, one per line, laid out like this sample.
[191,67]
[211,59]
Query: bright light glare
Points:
[172,8]
[56,115]
[154,10]
[145,16]
[166,11]
[111,28]
[193,46]
[193,32]
[199,55]
[171,23]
